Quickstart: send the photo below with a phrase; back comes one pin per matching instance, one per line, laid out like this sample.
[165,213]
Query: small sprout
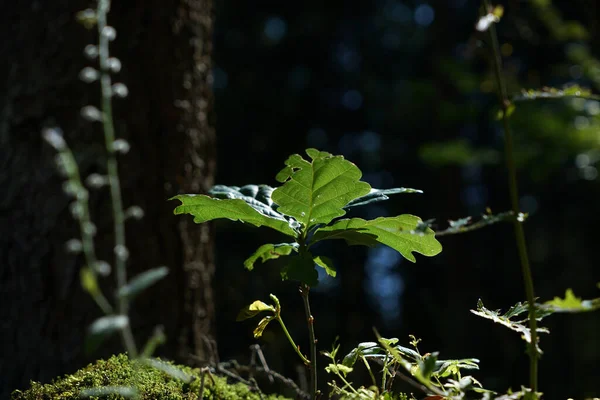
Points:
[96,181]
[74,246]
[113,64]
[120,90]
[121,252]
[102,268]
[88,18]
[91,113]
[121,146]
[89,228]
[54,137]
[91,51]
[109,33]
[134,212]
[89,75]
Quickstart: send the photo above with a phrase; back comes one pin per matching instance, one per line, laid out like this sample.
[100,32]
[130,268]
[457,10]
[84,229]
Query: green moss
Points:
[150,383]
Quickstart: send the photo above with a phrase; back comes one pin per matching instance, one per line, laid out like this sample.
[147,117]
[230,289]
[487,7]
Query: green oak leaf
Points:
[301,268]
[395,232]
[270,251]
[205,208]
[326,264]
[315,192]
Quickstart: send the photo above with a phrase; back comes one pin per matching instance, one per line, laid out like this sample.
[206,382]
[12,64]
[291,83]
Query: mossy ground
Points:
[150,383]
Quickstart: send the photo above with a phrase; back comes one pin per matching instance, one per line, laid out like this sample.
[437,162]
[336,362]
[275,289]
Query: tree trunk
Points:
[165,50]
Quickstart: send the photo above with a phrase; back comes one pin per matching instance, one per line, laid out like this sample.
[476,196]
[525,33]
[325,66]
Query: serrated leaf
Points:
[395,232]
[124,391]
[102,328]
[326,264]
[205,208]
[254,309]
[376,195]
[142,281]
[315,192]
[515,325]
[169,369]
[301,268]
[258,331]
[269,252]
[572,303]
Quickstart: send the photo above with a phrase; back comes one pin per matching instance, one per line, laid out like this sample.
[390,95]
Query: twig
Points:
[225,366]
[514,197]
[304,291]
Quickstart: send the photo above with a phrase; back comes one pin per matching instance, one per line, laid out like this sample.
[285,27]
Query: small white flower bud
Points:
[121,146]
[134,212]
[102,268]
[109,32]
[74,246]
[89,75]
[120,90]
[54,138]
[121,252]
[96,181]
[113,64]
[91,113]
[91,51]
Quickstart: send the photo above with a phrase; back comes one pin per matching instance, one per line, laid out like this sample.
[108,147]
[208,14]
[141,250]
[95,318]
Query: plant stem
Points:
[304,291]
[305,360]
[514,198]
[113,173]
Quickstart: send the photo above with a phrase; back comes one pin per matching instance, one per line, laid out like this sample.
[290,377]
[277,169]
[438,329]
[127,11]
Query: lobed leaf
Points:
[205,208]
[571,303]
[315,192]
[395,232]
[270,251]
[515,325]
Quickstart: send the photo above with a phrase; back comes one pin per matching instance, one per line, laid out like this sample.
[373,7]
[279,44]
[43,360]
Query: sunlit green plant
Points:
[314,194]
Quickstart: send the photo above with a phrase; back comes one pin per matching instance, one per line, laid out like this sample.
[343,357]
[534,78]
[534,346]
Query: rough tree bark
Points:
[165,50]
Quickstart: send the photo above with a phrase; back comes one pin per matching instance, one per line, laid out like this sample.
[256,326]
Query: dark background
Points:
[404,90]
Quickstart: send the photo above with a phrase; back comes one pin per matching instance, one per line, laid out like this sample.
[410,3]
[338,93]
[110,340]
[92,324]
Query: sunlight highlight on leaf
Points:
[315,192]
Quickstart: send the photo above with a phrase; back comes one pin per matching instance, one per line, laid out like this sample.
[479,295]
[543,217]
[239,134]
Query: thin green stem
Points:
[304,291]
[305,360]
[113,173]
[514,198]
